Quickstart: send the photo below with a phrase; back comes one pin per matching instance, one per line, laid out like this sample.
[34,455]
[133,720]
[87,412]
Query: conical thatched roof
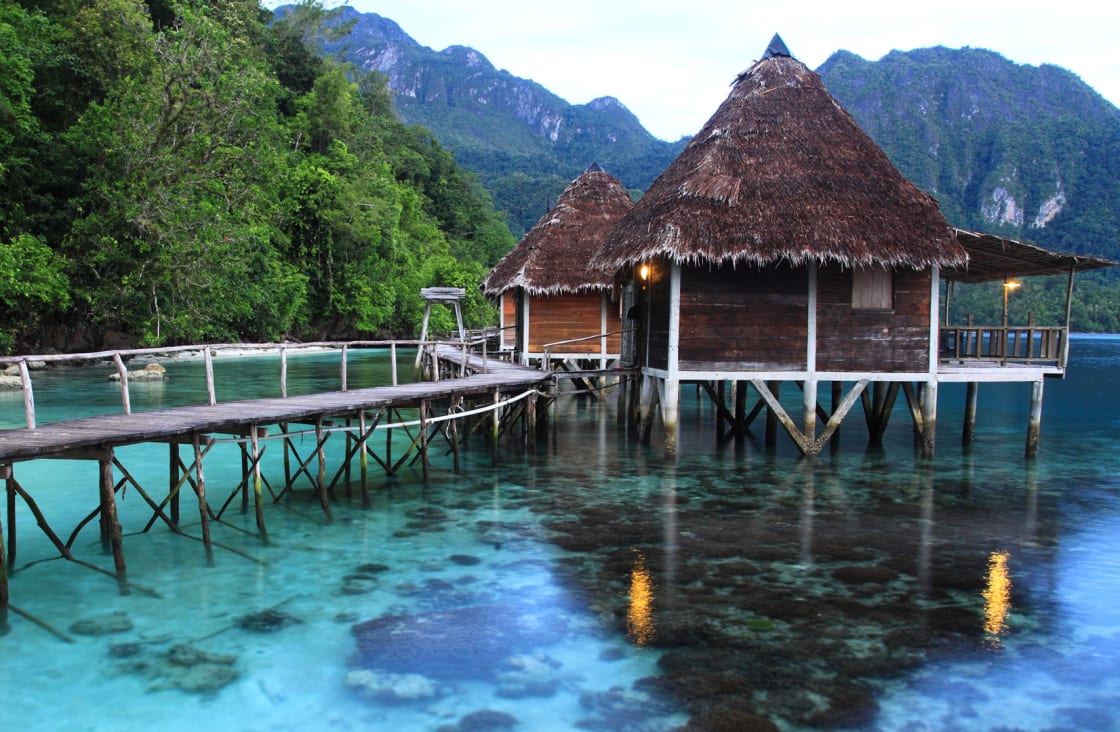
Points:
[552,258]
[782,173]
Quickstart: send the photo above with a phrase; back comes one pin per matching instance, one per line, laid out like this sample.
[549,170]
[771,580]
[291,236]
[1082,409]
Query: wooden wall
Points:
[872,340]
[507,307]
[743,318]
[563,317]
[747,319]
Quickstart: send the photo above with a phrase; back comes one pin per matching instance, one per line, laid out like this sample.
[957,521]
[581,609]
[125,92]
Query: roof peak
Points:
[777,47]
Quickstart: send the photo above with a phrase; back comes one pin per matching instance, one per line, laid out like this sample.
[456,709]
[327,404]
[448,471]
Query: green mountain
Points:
[523,142]
[1027,152]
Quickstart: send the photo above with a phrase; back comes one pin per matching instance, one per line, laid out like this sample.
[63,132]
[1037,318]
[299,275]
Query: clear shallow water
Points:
[594,584]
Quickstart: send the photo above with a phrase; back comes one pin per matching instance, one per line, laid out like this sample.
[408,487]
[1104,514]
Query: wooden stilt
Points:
[10,489]
[1034,427]
[424,407]
[740,424]
[5,473]
[258,499]
[809,409]
[200,488]
[968,433]
[669,394]
[173,480]
[775,388]
[363,459]
[109,519]
[453,434]
[496,425]
[837,397]
[929,419]
[321,477]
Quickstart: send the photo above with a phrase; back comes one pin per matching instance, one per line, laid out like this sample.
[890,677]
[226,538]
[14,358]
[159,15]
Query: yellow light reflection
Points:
[639,615]
[997,598]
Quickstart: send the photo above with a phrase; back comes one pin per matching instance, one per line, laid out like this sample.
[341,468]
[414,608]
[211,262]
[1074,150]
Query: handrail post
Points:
[209,360]
[393,361]
[28,394]
[122,371]
[283,370]
[342,376]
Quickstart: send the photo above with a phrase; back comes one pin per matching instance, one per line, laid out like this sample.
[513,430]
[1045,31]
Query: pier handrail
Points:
[119,356]
[547,348]
[1004,344]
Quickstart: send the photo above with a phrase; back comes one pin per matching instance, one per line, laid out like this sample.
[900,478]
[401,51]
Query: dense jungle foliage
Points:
[188,171]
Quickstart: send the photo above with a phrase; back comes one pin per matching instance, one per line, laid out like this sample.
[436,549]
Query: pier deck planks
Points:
[114,430]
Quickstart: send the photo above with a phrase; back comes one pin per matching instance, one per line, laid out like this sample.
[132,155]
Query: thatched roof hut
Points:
[781,173]
[552,258]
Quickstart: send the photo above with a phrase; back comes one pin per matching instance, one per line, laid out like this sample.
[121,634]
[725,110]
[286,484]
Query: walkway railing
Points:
[1029,344]
[548,348]
[119,357]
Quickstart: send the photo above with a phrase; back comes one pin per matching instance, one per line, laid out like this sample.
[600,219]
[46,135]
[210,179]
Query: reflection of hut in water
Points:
[548,297]
[783,246]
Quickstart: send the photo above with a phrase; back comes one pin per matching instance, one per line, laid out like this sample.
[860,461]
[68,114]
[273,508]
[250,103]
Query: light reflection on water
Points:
[863,589]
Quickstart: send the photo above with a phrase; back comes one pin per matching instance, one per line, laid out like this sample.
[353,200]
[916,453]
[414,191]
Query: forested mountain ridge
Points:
[1021,151]
[184,172]
[524,142]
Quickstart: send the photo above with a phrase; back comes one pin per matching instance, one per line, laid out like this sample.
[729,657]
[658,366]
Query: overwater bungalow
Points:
[782,247]
[553,307]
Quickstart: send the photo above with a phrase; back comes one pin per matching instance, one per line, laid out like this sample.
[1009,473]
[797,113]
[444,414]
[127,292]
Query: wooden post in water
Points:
[775,388]
[5,474]
[495,427]
[10,488]
[363,459]
[929,419]
[258,499]
[837,398]
[200,488]
[321,477]
[1035,425]
[970,402]
[110,521]
[393,361]
[173,479]
[424,407]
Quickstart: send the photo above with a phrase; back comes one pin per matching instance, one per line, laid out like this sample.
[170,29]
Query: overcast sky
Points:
[671,61]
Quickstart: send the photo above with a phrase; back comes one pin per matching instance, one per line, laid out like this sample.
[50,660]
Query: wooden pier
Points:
[464,393]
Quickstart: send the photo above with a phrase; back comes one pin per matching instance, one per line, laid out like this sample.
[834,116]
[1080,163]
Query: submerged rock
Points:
[460,643]
[181,667]
[392,688]
[104,624]
[487,720]
[266,621]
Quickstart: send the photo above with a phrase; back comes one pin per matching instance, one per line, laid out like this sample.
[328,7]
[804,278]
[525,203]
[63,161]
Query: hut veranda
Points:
[782,247]
[553,307]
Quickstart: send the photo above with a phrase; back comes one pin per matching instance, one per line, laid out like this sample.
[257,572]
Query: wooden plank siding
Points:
[743,318]
[507,314]
[564,317]
[850,339]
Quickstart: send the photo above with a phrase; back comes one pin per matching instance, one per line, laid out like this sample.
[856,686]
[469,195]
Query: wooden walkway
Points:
[456,378]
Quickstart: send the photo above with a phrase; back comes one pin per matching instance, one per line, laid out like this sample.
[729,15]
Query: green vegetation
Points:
[1019,151]
[175,172]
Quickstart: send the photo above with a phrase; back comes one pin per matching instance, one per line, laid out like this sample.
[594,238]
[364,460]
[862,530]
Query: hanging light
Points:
[643,272]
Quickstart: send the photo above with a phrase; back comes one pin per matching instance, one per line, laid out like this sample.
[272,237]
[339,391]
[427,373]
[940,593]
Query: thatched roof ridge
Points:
[552,258]
[781,172]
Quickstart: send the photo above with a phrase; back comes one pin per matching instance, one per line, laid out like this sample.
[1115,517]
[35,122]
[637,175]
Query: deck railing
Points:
[546,362]
[1030,344]
[120,357]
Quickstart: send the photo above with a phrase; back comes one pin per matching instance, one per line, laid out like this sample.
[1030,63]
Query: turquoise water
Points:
[591,583]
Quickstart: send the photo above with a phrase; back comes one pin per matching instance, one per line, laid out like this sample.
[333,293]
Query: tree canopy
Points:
[177,171]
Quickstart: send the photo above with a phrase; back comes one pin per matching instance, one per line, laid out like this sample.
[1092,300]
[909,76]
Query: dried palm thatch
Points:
[781,172]
[552,258]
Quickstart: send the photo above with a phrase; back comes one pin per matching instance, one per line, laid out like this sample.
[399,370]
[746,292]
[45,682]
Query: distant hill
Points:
[524,142]
[1027,152]
[1022,151]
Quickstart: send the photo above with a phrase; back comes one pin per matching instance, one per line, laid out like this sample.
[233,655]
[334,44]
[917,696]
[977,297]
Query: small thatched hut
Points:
[782,245]
[548,297]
